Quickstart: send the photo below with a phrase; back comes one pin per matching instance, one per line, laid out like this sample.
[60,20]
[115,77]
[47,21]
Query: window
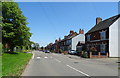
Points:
[88,37]
[68,42]
[103,35]
[102,48]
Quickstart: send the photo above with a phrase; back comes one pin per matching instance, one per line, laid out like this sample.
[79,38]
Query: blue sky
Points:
[50,20]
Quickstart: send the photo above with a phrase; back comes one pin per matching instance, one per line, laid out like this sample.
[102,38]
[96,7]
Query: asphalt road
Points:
[51,64]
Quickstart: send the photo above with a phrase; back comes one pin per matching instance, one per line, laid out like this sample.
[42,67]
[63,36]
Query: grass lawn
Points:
[0,60]
[14,64]
[0,66]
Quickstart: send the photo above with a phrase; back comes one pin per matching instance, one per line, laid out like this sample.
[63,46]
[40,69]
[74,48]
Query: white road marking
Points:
[77,70]
[38,57]
[45,57]
[57,60]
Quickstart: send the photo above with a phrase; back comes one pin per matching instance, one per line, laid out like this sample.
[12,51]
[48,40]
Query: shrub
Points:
[61,51]
[85,54]
[0,48]
[65,52]
[78,53]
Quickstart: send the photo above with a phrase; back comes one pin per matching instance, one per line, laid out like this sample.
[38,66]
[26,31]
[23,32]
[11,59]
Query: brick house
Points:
[80,46]
[102,39]
[64,44]
[70,42]
[80,38]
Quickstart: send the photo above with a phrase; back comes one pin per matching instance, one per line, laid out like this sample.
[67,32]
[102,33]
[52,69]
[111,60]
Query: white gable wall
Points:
[113,39]
[76,39]
[118,38]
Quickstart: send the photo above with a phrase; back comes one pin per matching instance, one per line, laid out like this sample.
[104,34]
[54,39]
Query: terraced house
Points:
[69,42]
[102,39]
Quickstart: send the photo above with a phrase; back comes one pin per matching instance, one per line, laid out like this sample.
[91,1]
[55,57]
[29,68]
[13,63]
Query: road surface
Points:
[51,64]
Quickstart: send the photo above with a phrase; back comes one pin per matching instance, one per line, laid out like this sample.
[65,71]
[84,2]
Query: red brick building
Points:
[98,38]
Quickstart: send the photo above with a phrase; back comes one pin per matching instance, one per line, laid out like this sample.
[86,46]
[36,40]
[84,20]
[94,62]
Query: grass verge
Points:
[0,66]
[14,64]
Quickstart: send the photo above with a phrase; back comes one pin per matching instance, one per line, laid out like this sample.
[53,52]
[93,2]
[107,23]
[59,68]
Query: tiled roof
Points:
[104,24]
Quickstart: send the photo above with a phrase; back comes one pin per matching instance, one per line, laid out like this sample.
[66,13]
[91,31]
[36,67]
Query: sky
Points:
[49,21]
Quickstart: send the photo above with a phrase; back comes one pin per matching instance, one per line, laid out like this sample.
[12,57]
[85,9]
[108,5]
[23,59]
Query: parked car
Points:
[43,50]
[72,52]
[47,51]
[40,50]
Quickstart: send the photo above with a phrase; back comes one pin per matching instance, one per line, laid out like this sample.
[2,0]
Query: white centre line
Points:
[45,57]
[78,70]
[57,60]
[38,57]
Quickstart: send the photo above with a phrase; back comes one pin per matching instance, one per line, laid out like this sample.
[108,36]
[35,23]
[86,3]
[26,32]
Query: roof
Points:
[104,24]
[70,36]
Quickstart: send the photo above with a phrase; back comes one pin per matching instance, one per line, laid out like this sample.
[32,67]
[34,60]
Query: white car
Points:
[72,52]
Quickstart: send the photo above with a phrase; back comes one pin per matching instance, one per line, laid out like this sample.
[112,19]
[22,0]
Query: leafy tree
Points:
[14,29]
[42,48]
[36,46]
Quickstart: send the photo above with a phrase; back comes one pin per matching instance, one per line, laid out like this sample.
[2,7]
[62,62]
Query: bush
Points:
[51,50]
[0,47]
[18,48]
[85,55]
[78,53]
[65,52]
[61,51]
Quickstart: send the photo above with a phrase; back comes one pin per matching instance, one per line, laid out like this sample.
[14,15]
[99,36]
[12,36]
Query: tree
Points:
[36,46]
[42,48]
[14,29]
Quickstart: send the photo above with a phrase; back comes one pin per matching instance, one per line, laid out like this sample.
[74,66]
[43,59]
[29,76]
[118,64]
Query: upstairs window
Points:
[103,35]
[68,42]
[88,37]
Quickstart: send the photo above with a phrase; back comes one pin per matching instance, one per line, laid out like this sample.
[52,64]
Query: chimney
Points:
[98,20]
[71,31]
[80,31]
[59,39]
[56,40]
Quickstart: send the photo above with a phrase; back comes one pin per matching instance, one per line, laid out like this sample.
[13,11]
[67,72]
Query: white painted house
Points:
[113,39]
[76,40]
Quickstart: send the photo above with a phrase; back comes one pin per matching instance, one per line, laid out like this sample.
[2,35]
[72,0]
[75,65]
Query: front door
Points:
[103,48]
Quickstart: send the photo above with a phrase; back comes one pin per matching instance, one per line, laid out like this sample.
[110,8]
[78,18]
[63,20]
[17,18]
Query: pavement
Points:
[51,64]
